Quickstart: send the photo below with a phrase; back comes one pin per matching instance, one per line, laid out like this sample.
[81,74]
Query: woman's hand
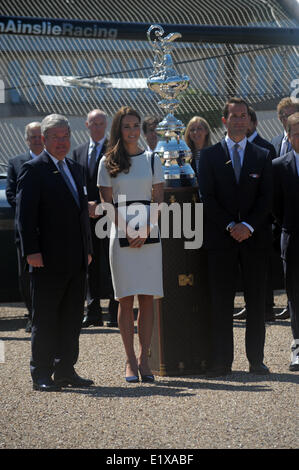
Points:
[138,242]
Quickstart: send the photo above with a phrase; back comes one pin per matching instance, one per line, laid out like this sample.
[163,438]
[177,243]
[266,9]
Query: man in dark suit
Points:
[52,220]
[236,189]
[34,142]
[286,210]
[89,155]
[285,108]
[255,138]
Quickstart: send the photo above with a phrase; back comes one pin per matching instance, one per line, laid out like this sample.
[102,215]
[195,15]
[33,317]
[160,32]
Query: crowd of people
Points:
[246,184]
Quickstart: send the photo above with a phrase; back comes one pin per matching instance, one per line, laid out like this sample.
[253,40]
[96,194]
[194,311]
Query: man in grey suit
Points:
[99,283]
[34,142]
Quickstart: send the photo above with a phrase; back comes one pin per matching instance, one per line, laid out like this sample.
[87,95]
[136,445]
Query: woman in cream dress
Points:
[126,175]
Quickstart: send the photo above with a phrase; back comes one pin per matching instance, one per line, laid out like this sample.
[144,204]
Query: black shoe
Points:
[92,320]
[74,381]
[46,385]
[258,369]
[294,367]
[219,372]
[283,315]
[240,315]
[28,326]
[112,324]
[270,318]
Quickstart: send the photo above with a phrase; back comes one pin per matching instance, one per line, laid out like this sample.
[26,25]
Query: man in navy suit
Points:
[52,220]
[285,108]
[99,278]
[236,188]
[286,210]
[34,142]
[255,138]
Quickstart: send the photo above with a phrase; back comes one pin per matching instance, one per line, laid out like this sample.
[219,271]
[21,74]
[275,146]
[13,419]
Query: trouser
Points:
[223,272]
[57,313]
[24,281]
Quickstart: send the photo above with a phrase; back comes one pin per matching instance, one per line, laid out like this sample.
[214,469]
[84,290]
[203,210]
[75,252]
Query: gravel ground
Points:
[241,411]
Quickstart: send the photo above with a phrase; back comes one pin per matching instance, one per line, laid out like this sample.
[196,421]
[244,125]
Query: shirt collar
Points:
[33,155]
[100,142]
[230,143]
[55,160]
[252,136]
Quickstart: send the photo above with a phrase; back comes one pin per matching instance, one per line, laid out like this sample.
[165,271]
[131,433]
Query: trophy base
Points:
[180,182]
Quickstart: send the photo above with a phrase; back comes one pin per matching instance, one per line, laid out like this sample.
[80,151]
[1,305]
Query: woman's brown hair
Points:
[117,158]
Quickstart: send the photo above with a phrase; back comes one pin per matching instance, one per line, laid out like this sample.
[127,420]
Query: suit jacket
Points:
[286,198]
[226,201]
[258,140]
[80,155]
[276,142]
[48,218]
[14,167]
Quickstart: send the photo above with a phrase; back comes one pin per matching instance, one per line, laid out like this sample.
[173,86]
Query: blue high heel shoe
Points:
[131,379]
[146,378]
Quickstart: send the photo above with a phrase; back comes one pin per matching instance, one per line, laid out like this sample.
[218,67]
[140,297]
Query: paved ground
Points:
[241,411]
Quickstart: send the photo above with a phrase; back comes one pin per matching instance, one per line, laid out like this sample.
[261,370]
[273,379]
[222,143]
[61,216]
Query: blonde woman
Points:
[197,137]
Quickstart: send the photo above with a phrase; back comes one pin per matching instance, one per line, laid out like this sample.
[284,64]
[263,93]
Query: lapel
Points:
[102,152]
[226,162]
[55,173]
[290,163]
[76,176]
[249,162]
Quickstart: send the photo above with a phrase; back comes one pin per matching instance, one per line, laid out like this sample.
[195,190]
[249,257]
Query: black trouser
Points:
[57,307]
[223,272]
[291,271]
[94,275]
[24,281]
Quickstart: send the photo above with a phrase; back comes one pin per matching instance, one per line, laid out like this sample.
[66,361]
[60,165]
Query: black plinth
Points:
[181,337]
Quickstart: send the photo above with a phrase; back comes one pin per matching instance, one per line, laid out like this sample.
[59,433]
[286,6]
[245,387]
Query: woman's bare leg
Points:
[145,323]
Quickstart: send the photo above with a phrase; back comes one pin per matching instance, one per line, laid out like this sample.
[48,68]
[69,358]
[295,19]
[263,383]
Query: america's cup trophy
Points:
[167,83]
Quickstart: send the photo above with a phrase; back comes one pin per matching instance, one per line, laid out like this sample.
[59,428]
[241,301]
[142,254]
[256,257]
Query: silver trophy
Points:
[167,83]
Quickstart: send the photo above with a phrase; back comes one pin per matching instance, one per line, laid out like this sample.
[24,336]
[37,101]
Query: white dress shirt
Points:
[285,145]
[33,155]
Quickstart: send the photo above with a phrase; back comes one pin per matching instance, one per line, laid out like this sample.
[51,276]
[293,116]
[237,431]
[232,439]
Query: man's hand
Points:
[35,260]
[92,205]
[240,232]
[89,259]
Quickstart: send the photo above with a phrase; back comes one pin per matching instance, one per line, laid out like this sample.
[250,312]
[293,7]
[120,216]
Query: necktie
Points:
[68,183]
[285,147]
[236,162]
[93,159]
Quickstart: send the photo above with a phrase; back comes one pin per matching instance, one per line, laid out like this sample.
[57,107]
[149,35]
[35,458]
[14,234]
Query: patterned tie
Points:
[68,183]
[236,162]
[93,160]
